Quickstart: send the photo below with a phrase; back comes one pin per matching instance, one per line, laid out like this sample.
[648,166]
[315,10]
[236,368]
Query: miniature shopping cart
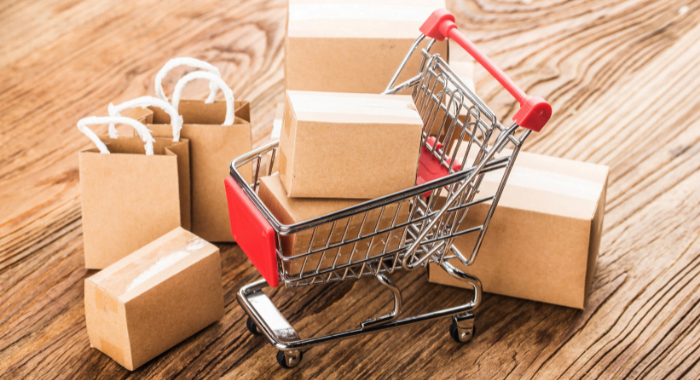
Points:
[462,147]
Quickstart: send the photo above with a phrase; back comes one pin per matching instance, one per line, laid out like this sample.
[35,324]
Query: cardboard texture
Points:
[155,298]
[212,148]
[353,46]
[296,210]
[129,199]
[357,146]
[543,240]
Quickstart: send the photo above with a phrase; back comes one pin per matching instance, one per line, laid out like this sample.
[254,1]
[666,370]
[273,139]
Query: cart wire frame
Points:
[404,230]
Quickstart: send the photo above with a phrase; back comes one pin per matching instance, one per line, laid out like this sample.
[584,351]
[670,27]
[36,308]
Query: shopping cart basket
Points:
[462,143]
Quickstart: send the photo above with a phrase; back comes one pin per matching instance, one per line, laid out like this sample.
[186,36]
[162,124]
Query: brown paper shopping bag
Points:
[175,120]
[130,195]
[217,136]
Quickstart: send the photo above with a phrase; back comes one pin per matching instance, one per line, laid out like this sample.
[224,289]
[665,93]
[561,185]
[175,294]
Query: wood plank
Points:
[622,77]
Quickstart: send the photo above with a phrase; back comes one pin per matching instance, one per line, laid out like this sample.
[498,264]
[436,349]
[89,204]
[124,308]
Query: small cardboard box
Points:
[356,146]
[543,240]
[151,300]
[353,46]
[296,210]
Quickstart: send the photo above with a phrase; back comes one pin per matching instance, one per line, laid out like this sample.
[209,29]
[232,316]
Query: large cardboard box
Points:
[356,146]
[296,210]
[153,299]
[357,46]
[543,240]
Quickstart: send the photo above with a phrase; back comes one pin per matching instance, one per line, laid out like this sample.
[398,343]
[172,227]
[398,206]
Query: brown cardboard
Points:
[296,210]
[213,147]
[543,240]
[129,199]
[154,298]
[357,146]
[353,46]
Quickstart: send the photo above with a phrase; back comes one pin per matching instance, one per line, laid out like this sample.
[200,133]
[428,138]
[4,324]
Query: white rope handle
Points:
[186,61]
[147,101]
[217,81]
[139,127]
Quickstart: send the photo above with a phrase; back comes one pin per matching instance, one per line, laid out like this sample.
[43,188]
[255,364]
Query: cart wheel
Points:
[289,360]
[466,336]
[252,327]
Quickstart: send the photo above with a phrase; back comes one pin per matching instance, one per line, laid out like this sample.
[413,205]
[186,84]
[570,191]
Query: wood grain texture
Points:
[623,78]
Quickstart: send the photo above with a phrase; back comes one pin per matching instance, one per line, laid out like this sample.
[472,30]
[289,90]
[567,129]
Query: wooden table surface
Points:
[623,78]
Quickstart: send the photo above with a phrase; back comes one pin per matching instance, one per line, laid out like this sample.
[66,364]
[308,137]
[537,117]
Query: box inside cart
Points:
[355,146]
[296,210]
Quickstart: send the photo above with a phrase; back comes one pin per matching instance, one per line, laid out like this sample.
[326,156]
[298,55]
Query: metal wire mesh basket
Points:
[466,157]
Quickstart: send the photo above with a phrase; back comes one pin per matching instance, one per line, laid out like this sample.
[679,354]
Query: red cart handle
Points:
[534,111]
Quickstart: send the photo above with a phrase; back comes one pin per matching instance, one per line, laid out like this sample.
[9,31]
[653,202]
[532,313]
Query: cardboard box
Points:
[357,146]
[151,300]
[353,46]
[296,210]
[543,240]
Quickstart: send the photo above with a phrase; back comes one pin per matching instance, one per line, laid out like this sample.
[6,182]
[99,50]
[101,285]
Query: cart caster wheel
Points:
[252,327]
[465,336]
[289,359]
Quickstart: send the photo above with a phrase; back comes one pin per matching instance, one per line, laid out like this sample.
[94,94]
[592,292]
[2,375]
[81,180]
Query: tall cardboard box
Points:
[343,46]
[543,240]
[296,210]
[355,146]
[151,300]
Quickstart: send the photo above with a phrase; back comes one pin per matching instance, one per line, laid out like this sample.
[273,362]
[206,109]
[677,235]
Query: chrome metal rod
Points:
[286,339]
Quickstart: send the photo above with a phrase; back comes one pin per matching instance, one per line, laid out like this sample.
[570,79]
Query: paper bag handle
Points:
[217,81]
[138,126]
[147,101]
[186,61]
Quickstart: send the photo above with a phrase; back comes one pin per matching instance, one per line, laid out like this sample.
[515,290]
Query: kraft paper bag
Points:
[176,126]
[217,136]
[131,193]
